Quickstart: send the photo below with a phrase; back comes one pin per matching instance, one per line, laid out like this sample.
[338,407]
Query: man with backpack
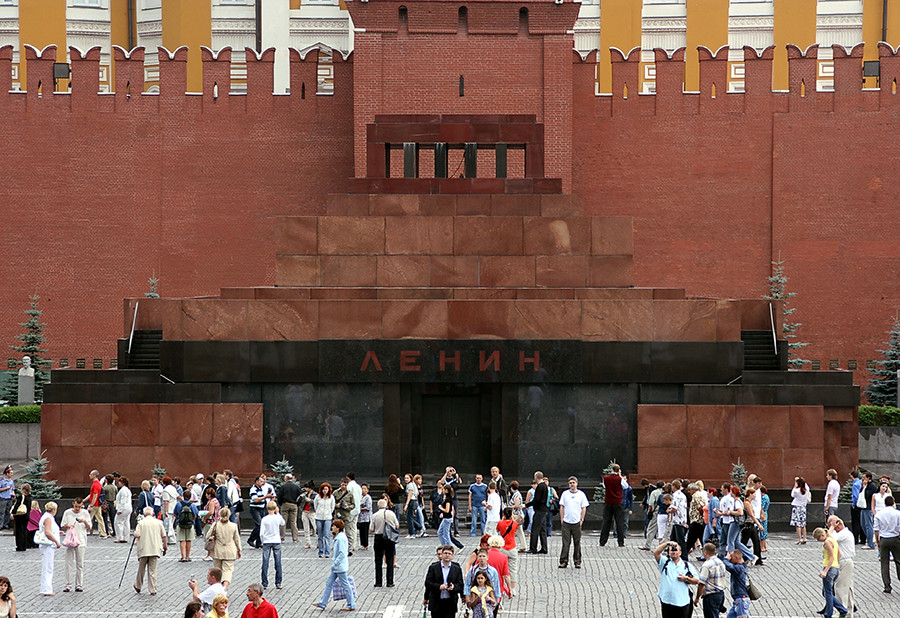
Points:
[186,514]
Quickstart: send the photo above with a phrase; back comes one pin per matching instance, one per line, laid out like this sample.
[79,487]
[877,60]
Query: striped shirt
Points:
[713,576]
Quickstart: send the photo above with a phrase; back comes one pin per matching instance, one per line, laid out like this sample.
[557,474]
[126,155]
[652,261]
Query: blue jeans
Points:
[711,604]
[740,608]
[444,532]
[267,549]
[323,528]
[831,602]
[479,514]
[733,534]
[329,583]
[412,517]
[867,523]
[234,514]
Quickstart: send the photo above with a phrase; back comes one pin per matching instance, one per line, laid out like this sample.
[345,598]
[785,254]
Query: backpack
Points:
[186,518]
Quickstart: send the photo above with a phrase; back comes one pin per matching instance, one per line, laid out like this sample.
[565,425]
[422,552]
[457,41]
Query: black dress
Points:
[21,521]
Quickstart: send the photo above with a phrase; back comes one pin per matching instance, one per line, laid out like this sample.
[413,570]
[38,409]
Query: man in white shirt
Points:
[887,531]
[831,493]
[493,506]
[843,585]
[270,536]
[214,579]
[572,508]
[356,490]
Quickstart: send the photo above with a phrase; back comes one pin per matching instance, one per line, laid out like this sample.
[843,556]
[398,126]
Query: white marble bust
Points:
[27,369]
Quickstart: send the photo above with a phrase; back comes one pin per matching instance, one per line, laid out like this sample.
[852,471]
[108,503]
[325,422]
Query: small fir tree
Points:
[600,490]
[778,291]
[31,340]
[154,284]
[738,473]
[279,469]
[158,471]
[882,389]
[41,488]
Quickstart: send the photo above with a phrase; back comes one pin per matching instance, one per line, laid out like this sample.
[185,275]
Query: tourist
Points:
[156,489]
[185,516]
[846,542]
[196,497]
[887,533]
[236,503]
[711,582]
[856,488]
[257,606]
[740,595]
[878,499]
[270,536]
[411,507]
[145,498]
[831,493]
[324,508]
[194,609]
[652,530]
[492,507]
[344,505]
[222,491]
[219,607]
[214,588]
[93,501]
[481,598]
[552,506]
[678,516]
[572,509]
[417,479]
[151,541]
[508,529]
[451,477]
[866,514]
[713,527]
[500,482]
[227,547]
[108,506]
[7,598]
[539,503]
[517,504]
[696,523]
[260,494]
[663,519]
[123,510]
[289,497]
[482,563]
[352,528]
[675,574]
[210,514]
[34,520]
[800,498]
[752,525]
[76,518]
[308,512]
[339,568]
[384,547]
[830,568]
[394,493]
[529,510]
[445,508]
[764,517]
[48,539]
[500,562]
[168,498]
[364,518]
[7,495]
[20,511]
[444,584]
[613,484]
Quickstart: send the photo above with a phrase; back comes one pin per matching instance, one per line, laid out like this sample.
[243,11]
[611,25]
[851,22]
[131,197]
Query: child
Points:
[34,518]
[481,597]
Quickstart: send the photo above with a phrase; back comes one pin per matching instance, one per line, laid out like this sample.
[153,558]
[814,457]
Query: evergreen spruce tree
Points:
[738,473]
[279,469]
[882,389]
[154,284]
[31,340]
[41,488]
[158,471]
[778,291]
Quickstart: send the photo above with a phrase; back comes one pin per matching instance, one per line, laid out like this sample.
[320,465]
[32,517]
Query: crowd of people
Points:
[680,517]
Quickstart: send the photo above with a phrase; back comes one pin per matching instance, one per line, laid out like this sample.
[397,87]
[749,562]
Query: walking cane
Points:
[133,539]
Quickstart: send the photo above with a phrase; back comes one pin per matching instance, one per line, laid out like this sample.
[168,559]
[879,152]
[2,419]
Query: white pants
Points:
[490,527]
[47,553]
[843,585]
[309,524]
[75,565]
[123,525]
[662,522]
[351,531]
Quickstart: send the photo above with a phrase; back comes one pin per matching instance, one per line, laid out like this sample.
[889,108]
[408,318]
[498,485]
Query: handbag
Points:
[391,533]
[40,537]
[210,542]
[752,591]
[338,592]
[22,510]
[71,539]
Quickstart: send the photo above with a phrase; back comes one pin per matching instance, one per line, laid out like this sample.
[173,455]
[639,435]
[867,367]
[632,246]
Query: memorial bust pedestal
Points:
[26,383]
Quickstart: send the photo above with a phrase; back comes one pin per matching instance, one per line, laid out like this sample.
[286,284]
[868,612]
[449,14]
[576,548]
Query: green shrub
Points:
[20,414]
[879,416]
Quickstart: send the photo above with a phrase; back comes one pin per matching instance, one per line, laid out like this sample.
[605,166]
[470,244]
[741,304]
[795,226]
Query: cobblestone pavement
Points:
[620,582]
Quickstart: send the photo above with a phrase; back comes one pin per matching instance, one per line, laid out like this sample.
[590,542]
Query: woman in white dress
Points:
[123,511]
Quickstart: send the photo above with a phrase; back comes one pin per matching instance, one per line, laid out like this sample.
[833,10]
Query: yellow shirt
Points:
[836,556]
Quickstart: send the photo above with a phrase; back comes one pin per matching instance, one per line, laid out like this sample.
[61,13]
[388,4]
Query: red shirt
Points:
[265,610]
[613,484]
[94,498]
[509,538]
[501,563]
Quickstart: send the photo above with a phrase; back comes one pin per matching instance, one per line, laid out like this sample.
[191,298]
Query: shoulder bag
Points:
[391,532]
[752,591]
[40,537]
[210,543]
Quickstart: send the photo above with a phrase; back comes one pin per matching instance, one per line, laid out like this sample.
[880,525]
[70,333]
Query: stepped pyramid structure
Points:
[454,302]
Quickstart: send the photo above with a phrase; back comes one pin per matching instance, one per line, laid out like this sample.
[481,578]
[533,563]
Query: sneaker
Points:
[409,536]
[277,586]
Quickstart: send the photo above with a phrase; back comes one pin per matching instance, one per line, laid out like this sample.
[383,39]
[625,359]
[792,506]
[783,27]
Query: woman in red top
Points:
[507,529]
[500,562]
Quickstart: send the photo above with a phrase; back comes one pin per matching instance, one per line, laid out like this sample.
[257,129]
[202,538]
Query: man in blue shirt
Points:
[735,566]
[477,498]
[859,536]
[339,567]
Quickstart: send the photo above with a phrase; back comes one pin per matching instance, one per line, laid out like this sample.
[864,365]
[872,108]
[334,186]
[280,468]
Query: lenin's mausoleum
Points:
[466,253]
